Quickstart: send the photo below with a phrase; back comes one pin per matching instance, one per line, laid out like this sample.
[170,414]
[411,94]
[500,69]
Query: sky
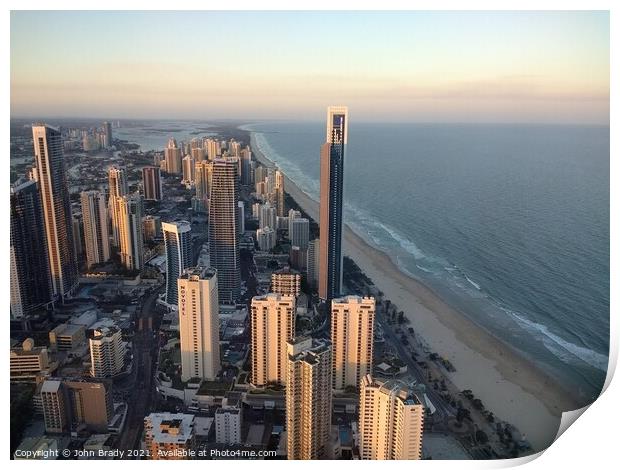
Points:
[547,67]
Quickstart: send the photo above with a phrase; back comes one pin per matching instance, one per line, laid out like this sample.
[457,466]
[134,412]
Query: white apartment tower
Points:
[199,324]
[273,325]
[308,398]
[95,220]
[391,421]
[228,421]
[352,321]
[107,352]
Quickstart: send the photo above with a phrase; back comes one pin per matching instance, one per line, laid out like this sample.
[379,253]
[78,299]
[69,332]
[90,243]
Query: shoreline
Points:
[505,381]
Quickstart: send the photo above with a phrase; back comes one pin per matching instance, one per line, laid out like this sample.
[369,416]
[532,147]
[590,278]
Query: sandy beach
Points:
[510,386]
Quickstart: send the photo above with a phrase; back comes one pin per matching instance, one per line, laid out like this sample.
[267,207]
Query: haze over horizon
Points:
[538,67]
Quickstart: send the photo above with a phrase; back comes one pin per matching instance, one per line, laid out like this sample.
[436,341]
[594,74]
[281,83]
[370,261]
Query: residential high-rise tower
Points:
[199,323]
[331,202]
[52,180]
[352,323]
[95,221]
[178,243]
[273,325]
[29,273]
[391,421]
[223,228]
[308,398]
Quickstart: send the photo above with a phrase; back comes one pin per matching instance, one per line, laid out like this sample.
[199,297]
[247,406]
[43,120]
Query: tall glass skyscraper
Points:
[30,275]
[331,202]
[50,174]
[178,242]
[223,228]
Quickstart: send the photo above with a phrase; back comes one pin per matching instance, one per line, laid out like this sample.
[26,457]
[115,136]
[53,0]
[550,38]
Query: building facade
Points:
[223,228]
[286,281]
[52,180]
[352,324]
[30,286]
[273,325]
[96,232]
[331,202]
[173,157]
[107,352]
[391,421]
[130,210]
[199,325]
[117,187]
[308,399]
[178,243]
[151,183]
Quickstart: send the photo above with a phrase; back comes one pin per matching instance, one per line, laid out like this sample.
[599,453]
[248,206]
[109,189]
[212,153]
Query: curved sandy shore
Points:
[509,385]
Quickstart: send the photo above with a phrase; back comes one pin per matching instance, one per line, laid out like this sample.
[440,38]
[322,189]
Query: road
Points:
[391,338]
[145,349]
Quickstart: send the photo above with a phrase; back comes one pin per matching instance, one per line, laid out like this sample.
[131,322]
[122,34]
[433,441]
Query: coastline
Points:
[505,381]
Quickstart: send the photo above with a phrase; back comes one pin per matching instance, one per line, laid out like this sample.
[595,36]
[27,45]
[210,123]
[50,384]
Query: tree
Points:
[481,437]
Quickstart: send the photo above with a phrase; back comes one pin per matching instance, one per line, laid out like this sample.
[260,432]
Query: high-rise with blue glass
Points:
[331,202]
[178,242]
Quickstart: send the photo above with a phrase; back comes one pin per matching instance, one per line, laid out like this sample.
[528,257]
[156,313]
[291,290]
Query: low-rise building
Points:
[169,436]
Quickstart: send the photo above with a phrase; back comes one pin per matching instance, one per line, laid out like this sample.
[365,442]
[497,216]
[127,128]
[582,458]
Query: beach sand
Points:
[509,385]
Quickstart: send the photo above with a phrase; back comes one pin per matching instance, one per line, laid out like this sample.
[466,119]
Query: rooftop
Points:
[171,428]
[198,272]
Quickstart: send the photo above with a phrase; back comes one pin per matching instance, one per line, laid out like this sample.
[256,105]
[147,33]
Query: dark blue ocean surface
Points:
[509,223]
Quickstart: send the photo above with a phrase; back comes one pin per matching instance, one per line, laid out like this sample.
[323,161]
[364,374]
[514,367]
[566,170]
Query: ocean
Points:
[507,223]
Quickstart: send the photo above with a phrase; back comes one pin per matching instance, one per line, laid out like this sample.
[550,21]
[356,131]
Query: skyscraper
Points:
[130,211]
[173,156]
[30,274]
[198,154]
[213,150]
[300,233]
[273,325]
[312,260]
[203,180]
[199,323]
[118,187]
[48,151]
[246,166]
[178,242]
[352,325]
[151,180]
[308,398]
[331,202]
[107,131]
[279,193]
[117,180]
[391,421]
[95,221]
[267,217]
[223,228]
[188,171]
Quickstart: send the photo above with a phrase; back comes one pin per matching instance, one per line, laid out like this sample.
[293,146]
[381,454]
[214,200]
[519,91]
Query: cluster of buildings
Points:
[307,368]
